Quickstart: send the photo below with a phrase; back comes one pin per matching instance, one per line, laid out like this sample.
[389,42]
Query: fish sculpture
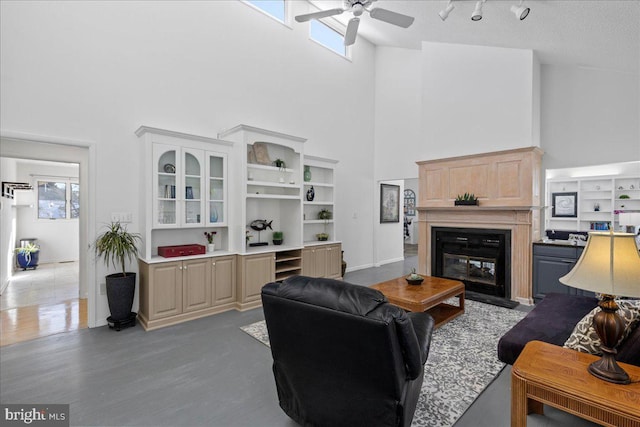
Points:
[261,224]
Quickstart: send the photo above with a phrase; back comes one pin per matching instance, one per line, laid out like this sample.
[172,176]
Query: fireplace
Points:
[478,257]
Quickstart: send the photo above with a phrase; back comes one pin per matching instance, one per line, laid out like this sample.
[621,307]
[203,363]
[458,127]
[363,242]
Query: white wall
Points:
[96,71]
[589,117]
[58,239]
[398,112]
[7,224]
[476,99]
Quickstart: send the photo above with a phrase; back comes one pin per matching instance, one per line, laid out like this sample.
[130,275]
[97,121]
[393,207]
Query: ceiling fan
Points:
[357,7]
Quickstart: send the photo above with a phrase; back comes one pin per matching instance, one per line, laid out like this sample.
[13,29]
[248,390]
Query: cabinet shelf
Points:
[318,184]
[286,267]
[268,168]
[318,221]
[271,184]
[319,203]
[272,196]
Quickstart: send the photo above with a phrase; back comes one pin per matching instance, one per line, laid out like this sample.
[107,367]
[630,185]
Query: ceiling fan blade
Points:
[352,31]
[394,18]
[319,15]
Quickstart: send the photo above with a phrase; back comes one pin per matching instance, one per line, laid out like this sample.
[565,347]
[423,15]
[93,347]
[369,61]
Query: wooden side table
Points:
[557,376]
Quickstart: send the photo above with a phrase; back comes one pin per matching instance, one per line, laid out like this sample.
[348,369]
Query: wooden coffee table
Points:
[428,296]
[551,375]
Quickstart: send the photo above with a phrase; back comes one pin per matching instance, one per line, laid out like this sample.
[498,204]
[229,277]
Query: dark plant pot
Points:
[465,202]
[344,264]
[277,241]
[323,239]
[120,292]
[28,259]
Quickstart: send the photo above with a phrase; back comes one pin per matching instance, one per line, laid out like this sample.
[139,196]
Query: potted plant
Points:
[27,256]
[277,237]
[116,245]
[280,164]
[210,235]
[325,214]
[466,200]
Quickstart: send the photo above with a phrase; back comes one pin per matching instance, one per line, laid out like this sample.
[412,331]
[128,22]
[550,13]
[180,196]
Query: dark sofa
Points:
[552,321]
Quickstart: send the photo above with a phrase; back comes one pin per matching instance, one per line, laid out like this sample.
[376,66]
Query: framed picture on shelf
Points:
[564,205]
[389,203]
[189,193]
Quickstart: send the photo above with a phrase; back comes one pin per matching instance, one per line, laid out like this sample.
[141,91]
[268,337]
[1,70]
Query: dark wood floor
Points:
[205,372]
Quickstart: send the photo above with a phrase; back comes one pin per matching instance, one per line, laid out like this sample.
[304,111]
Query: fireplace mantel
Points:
[507,184]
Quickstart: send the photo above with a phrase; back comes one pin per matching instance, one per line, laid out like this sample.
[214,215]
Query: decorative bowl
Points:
[414,281]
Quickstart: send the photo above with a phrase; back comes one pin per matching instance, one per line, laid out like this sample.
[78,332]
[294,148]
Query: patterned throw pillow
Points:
[584,337]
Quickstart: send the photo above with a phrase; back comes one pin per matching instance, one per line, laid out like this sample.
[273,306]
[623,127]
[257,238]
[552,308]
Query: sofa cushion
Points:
[551,321]
[584,337]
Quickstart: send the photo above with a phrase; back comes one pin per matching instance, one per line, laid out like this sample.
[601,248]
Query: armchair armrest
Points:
[423,326]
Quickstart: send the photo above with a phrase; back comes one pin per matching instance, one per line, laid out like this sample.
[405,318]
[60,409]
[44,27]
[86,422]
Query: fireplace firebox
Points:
[478,257]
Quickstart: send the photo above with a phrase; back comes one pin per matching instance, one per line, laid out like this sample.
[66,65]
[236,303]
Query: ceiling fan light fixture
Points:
[444,14]
[477,12]
[520,11]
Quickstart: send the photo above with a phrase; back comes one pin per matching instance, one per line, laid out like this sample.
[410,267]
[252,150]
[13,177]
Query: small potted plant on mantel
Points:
[466,200]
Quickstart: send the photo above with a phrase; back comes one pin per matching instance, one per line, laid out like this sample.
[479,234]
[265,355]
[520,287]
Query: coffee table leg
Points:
[461,301]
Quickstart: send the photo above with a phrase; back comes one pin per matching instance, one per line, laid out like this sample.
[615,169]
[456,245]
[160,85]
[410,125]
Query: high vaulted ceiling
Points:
[597,33]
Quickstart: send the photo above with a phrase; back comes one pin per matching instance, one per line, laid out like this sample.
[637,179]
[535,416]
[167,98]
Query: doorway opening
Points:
[55,296]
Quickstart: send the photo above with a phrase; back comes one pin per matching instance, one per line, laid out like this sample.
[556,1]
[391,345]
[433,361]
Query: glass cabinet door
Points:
[193,173]
[217,188]
[165,177]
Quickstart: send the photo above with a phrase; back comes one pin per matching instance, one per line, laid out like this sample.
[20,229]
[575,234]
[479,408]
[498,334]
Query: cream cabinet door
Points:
[334,261]
[165,289]
[196,284]
[320,263]
[309,262]
[223,278]
[255,272]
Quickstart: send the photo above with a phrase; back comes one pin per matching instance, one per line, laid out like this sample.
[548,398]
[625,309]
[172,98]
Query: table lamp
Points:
[610,265]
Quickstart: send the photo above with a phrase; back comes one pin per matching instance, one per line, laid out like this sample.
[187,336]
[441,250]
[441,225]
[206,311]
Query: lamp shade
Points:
[610,264]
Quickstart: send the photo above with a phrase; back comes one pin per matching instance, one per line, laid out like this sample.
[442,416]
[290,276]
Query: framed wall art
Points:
[564,205]
[389,203]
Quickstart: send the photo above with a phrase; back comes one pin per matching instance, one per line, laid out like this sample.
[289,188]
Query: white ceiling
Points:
[595,33]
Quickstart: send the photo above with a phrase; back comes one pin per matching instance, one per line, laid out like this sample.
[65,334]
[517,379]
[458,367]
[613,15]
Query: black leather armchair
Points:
[342,355]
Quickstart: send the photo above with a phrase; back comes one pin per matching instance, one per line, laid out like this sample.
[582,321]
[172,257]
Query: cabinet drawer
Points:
[570,252]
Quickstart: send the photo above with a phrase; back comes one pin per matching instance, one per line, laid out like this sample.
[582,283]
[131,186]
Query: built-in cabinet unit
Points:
[188,288]
[270,186]
[250,176]
[550,263]
[186,189]
[598,200]
[322,261]
[318,199]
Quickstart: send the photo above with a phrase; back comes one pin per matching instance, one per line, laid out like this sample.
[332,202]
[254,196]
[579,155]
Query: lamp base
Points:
[610,328]
[607,369]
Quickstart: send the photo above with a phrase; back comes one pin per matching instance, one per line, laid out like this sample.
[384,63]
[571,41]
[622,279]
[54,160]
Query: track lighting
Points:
[445,12]
[477,12]
[520,11]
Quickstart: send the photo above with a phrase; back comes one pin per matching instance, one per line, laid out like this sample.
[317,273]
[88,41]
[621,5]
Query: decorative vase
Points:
[211,247]
[311,194]
[307,174]
[213,216]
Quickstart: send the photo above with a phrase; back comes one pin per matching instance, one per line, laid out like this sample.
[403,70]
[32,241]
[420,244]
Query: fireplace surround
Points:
[507,184]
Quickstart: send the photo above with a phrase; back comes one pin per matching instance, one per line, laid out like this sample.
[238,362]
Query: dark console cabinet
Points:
[550,263]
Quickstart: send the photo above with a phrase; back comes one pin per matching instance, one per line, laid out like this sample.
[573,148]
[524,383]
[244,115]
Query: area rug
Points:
[462,361]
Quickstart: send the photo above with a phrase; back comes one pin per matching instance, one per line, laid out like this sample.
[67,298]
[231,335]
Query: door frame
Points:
[37,147]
